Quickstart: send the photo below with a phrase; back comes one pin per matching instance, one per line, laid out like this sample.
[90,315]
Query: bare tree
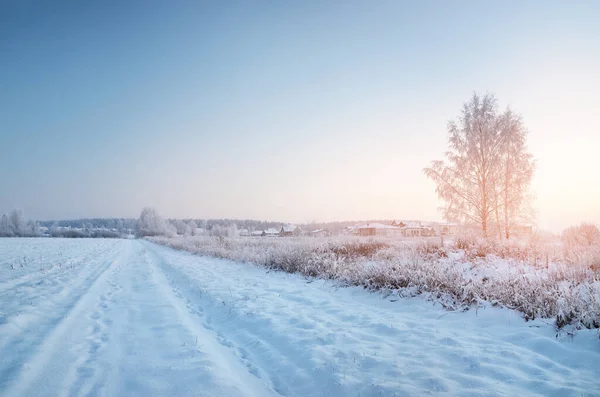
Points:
[224,230]
[516,170]
[120,226]
[179,225]
[5,227]
[466,181]
[33,229]
[485,178]
[193,227]
[17,222]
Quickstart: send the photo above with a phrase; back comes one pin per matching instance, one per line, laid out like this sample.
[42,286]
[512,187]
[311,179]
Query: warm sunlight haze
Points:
[295,111]
[364,198]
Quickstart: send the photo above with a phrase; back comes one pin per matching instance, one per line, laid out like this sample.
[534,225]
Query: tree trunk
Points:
[506,186]
[498,225]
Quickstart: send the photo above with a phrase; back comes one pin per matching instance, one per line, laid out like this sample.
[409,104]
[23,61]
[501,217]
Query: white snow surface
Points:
[130,318]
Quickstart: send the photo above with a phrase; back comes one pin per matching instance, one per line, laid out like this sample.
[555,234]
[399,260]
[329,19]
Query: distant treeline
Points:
[249,224]
[152,224]
[14,224]
[120,224]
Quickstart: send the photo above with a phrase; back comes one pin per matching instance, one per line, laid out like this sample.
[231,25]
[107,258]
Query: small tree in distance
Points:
[5,227]
[193,228]
[17,222]
[179,225]
[152,224]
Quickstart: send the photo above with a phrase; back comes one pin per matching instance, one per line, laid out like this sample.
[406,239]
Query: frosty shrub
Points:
[584,235]
[536,278]
[151,223]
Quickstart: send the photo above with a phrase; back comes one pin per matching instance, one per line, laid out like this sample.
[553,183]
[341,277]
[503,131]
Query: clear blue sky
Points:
[284,110]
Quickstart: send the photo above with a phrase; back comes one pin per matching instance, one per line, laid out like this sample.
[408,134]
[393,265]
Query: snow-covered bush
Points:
[15,225]
[584,235]
[534,279]
[68,233]
[152,224]
[179,226]
[191,228]
[224,231]
[5,227]
[104,233]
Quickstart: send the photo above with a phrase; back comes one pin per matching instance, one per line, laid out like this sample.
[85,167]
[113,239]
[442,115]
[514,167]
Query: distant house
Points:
[413,229]
[271,232]
[258,233]
[350,230]
[379,229]
[428,231]
[370,229]
[366,230]
[244,232]
[289,230]
[396,229]
[319,233]
[448,229]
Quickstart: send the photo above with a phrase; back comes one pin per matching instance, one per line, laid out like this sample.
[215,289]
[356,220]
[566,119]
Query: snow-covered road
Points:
[129,318]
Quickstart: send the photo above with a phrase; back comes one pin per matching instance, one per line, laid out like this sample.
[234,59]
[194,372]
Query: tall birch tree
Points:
[485,177]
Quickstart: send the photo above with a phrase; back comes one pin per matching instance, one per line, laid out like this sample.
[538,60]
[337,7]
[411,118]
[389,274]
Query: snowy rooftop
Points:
[289,228]
[376,226]
[412,225]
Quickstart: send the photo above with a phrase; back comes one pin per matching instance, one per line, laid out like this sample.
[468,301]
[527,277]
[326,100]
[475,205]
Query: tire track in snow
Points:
[222,357]
[256,345]
[59,332]
[87,376]
[131,336]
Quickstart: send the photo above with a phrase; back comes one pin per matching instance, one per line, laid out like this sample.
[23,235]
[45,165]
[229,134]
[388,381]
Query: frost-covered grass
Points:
[539,280]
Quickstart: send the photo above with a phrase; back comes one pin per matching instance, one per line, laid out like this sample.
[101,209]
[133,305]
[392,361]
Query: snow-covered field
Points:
[130,318]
